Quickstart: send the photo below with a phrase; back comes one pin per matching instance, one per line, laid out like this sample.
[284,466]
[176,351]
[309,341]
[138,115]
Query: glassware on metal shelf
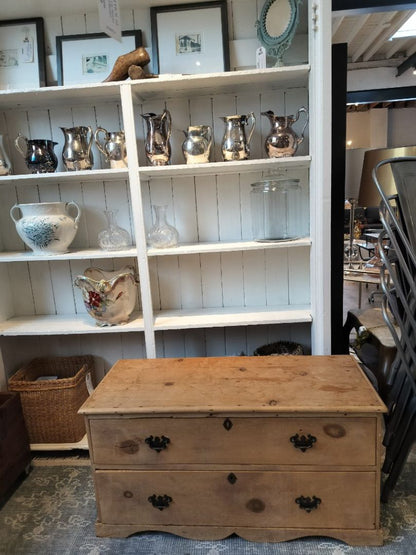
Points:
[161,234]
[277,210]
[114,237]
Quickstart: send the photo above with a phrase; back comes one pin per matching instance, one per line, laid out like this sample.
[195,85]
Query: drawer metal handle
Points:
[308,503]
[160,501]
[227,424]
[157,443]
[232,478]
[303,442]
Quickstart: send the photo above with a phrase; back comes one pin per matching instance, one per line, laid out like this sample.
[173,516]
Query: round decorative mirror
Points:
[277,25]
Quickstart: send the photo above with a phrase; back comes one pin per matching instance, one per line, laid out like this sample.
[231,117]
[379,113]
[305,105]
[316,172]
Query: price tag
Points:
[261,57]
[26,53]
[109,16]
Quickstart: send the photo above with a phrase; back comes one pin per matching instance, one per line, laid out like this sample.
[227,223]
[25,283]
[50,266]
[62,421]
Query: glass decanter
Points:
[162,235]
[114,237]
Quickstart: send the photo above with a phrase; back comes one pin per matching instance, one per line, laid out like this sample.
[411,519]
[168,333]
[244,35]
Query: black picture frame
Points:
[22,43]
[75,51]
[189,53]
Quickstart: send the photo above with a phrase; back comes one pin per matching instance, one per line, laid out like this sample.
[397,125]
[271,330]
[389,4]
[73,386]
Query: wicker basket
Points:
[50,406]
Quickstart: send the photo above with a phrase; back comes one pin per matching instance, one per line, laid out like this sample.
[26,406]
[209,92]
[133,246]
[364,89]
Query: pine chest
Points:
[269,448]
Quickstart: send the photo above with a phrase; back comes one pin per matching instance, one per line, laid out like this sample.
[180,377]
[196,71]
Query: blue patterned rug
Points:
[52,512]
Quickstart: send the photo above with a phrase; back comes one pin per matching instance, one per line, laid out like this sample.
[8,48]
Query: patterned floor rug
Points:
[52,511]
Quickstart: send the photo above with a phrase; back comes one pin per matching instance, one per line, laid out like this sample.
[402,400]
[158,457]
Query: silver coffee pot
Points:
[235,144]
[77,154]
[113,146]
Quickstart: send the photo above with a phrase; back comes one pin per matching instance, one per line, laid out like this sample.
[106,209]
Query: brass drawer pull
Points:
[160,501]
[308,503]
[303,442]
[157,443]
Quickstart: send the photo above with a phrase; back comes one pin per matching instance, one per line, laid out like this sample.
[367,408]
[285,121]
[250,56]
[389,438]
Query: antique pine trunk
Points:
[269,448]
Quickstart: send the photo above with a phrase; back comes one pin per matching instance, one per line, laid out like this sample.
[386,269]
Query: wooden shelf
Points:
[206,248]
[46,97]
[214,168]
[164,86]
[65,177]
[81,444]
[231,316]
[65,325]
[85,254]
[174,85]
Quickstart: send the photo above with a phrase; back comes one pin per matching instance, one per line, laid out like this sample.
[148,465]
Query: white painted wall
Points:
[378,78]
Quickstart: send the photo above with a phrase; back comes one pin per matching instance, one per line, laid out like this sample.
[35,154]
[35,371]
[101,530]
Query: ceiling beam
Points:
[371,37]
[350,7]
[336,23]
[407,64]
[395,24]
[381,95]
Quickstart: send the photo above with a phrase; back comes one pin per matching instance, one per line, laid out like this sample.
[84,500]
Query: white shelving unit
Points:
[217,293]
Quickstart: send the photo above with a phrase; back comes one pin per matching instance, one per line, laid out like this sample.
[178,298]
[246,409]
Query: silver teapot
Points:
[196,147]
[157,145]
[113,146]
[77,154]
[235,144]
[282,140]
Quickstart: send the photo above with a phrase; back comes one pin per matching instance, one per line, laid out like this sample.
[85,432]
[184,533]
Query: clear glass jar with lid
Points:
[277,209]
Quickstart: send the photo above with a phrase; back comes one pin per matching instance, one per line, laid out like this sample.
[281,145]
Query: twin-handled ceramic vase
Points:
[46,227]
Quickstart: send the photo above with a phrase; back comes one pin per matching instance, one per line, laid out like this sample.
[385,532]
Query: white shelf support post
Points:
[320,173]
[137,209]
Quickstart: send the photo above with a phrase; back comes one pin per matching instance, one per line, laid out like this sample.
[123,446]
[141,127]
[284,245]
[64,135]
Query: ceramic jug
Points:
[109,296]
[77,154]
[282,140]
[38,154]
[113,146]
[157,145]
[5,164]
[46,227]
[235,144]
[196,147]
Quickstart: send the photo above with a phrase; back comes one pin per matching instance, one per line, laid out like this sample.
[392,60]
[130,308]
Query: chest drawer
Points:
[227,498]
[214,440]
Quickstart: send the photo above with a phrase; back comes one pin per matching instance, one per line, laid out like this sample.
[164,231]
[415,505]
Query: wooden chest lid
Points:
[237,385]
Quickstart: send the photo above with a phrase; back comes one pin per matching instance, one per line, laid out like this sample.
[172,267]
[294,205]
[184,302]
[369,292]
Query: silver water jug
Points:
[157,145]
[113,146]
[235,143]
[77,154]
[196,147]
[38,154]
[282,141]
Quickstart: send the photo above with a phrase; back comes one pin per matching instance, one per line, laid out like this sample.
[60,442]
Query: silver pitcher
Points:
[196,147]
[157,146]
[235,144]
[77,154]
[282,140]
[113,146]
[38,154]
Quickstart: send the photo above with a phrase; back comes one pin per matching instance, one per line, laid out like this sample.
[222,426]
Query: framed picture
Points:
[22,54]
[90,58]
[190,38]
